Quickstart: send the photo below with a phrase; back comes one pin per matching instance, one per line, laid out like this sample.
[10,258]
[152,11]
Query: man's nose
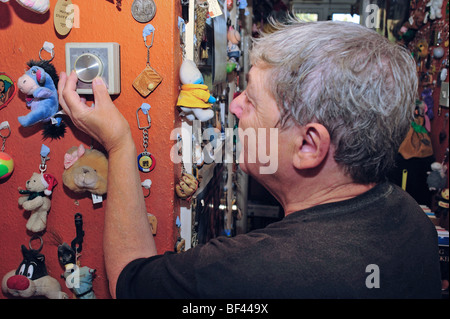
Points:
[236,105]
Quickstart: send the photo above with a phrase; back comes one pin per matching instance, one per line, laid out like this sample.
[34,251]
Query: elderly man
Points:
[341,99]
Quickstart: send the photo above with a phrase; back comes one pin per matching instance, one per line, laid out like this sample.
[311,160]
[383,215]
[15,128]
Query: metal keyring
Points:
[3,126]
[53,55]
[33,238]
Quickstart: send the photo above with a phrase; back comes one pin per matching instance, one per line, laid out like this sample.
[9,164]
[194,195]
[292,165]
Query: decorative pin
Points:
[146,161]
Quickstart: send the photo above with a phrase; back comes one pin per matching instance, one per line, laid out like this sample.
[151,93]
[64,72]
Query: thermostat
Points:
[90,60]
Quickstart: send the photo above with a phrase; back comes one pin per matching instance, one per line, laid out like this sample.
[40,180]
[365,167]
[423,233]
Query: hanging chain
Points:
[145,139]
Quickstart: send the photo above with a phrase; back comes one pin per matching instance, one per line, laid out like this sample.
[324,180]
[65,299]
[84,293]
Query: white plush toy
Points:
[38,6]
[194,99]
[435,9]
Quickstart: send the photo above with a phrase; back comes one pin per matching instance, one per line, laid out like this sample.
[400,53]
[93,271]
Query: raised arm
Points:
[127,233]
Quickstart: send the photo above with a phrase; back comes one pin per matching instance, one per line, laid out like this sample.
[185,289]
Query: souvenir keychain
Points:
[149,79]
[146,161]
[79,279]
[31,277]
[40,83]
[36,195]
[6,161]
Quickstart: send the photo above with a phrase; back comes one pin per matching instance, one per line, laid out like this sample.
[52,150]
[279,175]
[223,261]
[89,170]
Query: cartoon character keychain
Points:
[146,161]
[36,196]
[6,161]
[31,277]
[78,278]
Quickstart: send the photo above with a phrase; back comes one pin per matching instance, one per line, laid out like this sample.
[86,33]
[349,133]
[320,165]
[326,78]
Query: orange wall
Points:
[22,34]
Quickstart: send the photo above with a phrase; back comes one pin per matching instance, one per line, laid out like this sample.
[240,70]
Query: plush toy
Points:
[38,6]
[79,279]
[85,170]
[31,278]
[36,200]
[187,186]
[436,179]
[41,82]
[194,99]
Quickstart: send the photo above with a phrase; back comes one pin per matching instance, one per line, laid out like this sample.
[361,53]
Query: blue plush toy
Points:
[40,81]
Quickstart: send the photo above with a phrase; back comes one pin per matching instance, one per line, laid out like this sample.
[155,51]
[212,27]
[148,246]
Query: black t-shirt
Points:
[377,245]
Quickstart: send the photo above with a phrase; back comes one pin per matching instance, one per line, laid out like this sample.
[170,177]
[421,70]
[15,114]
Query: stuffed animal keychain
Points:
[31,277]
[146,161]
[41,82]
[86,170]
[149,79]
[6,161]
[194,99]
[78,278]
[36,195]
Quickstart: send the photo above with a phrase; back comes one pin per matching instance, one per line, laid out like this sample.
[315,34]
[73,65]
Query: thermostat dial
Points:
[87,67]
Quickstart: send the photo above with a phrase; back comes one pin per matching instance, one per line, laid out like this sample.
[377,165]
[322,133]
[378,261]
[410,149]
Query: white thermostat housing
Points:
[90,60]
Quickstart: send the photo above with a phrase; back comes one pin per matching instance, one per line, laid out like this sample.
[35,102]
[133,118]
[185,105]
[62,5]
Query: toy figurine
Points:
[79,279]
[36,200]
[31,278]
[194,99]
[437,179]
[41,81]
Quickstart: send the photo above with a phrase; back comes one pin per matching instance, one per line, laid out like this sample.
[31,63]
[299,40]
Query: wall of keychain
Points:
[40,227]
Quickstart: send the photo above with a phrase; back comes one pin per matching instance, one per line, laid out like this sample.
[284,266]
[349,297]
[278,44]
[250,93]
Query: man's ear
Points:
[312,146]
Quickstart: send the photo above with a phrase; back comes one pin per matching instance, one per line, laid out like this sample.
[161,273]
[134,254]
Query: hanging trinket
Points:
[40,84]
[6,161]
[149,79]
[36,195]
[8,89]
[187,186]
[86,170]
[146,161]
[31,277]
[78,279]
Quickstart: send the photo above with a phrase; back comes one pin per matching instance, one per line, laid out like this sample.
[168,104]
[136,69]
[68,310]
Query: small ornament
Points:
[6,161]
[187,186]
[85,170]
[146,161]
[31,277]
[79,279]
[149,79]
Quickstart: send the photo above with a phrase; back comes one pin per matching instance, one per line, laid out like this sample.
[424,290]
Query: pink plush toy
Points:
[38,6]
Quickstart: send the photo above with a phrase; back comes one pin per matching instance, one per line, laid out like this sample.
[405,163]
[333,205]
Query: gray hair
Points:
[350,79]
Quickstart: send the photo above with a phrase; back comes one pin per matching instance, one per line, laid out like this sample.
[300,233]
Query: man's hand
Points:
[103,121]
